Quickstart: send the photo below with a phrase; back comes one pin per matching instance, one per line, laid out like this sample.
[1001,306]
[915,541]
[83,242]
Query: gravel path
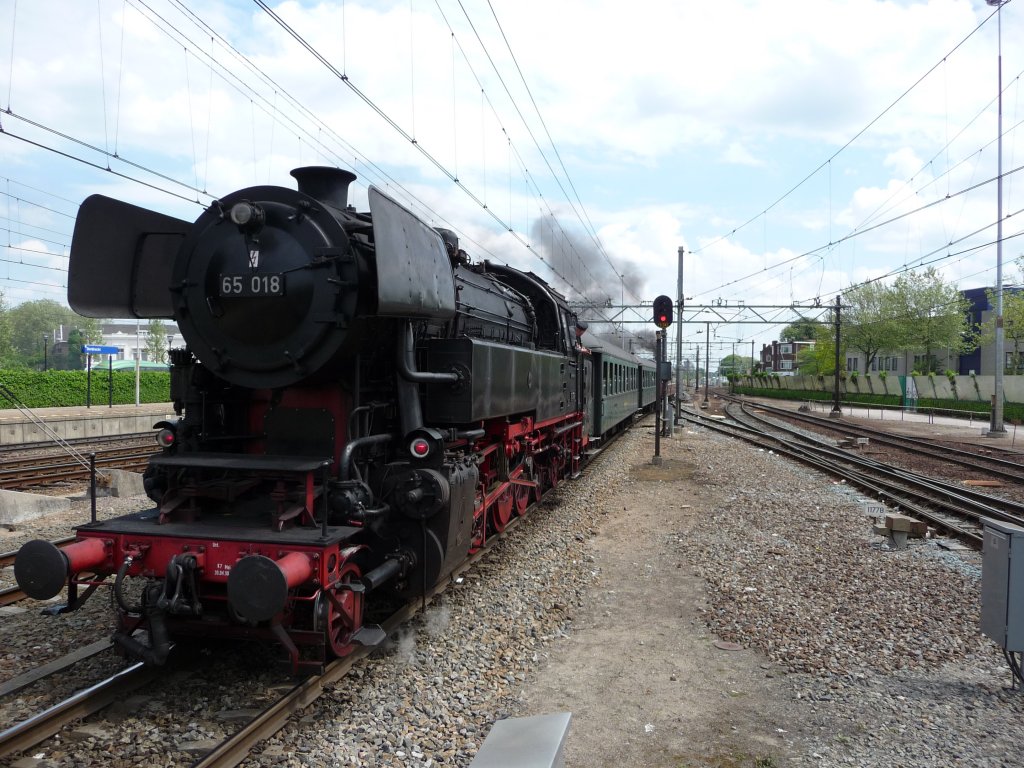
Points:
[851,655]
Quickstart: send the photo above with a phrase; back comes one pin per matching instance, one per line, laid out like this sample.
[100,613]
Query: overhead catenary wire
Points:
[107,155]
[410,139]
[885,205]
[848,143]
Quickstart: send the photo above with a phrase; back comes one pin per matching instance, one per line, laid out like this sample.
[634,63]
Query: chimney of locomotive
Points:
[328,185]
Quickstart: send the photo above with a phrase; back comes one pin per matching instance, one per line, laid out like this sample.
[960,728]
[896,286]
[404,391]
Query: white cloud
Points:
[678,122]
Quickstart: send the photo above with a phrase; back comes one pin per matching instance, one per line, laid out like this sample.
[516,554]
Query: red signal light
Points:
[663,311]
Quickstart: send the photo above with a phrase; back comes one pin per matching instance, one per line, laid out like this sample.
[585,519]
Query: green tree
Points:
[1013,323]
[868,320]
[85,330]
[931,315]
[157,340]
[6,345]
[32,320]
[819,360]
[802,330]
[733,364]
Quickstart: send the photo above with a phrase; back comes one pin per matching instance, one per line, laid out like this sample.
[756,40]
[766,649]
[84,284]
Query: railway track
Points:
[231,751]
[35,730]
[953,509]
[1010,468]
[46,447]
[26,472]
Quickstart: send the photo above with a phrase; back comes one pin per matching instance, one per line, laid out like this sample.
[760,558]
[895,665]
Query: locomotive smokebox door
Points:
[414,274]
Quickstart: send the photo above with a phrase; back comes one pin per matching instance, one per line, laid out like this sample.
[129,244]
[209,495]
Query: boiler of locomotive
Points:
[266,286]
[269,285]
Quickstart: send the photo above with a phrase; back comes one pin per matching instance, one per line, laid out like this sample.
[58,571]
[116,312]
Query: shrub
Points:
[61,389]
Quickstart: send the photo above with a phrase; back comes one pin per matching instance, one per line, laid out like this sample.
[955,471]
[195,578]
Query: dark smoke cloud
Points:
[582,271]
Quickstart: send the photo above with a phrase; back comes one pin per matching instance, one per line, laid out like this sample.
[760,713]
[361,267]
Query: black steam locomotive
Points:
[359,408]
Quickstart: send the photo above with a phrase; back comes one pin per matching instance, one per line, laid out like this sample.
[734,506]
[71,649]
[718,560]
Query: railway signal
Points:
[663,311]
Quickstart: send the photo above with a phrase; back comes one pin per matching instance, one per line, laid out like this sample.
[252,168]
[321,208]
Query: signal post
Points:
[662,319]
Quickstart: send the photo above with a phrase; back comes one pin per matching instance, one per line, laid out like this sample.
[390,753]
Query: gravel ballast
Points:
[852,655]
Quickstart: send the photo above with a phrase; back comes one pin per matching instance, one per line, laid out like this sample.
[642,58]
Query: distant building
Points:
[780,356]
[903,362]
[129,336]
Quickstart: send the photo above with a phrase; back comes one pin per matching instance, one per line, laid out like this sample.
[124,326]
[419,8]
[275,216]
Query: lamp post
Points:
[707,361]
[46,339]
[996,428]
[622,310]
[679,335]
[138,359]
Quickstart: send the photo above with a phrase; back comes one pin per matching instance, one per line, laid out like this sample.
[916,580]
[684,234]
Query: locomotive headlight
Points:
[247,216]
[165,438]
[419,448]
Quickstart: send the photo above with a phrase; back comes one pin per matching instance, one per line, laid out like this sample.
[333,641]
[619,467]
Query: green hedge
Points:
[813,394]
[1012,412]
[58,389]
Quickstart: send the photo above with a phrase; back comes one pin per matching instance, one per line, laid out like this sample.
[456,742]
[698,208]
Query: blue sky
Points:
[641,128]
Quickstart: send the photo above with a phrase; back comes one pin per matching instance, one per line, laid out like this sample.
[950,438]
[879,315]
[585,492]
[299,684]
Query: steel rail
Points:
[46,445]
[42,726]
[1013,510]
[237,747]
[43,671]
[1003,468]
[905,489]
[27,477]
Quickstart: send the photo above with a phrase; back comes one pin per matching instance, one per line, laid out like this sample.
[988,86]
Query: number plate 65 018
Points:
[251,285]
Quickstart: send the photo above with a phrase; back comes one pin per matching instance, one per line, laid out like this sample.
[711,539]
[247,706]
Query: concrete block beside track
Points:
[124,483]
[17,507]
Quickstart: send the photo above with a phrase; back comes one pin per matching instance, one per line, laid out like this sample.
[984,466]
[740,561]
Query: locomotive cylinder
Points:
[258,586]
[382,573]
[41,569]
